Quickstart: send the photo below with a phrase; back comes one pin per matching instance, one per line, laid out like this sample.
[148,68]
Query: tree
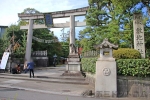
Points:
[111,19]
[22,48]
[4,43]
[101,23]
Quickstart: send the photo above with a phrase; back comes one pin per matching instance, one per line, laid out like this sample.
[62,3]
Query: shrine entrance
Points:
[48,17]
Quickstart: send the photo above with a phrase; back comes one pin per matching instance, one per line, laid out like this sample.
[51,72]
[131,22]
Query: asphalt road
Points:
[17,94]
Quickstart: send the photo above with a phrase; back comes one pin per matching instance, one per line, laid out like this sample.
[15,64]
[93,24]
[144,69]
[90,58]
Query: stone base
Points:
[73,66]
[106,78]
[73,63]
[72,73]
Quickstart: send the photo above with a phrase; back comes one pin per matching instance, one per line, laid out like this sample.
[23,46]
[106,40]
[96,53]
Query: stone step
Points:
[80,78]
[52,79]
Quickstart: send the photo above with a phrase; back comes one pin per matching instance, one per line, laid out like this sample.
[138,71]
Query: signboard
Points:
[4,60]
[48,19]
[139,34]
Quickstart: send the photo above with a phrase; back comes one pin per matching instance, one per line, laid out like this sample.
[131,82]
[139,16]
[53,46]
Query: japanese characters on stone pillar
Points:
[139,34]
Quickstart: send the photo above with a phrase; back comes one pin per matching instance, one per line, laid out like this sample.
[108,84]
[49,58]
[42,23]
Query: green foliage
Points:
[126,53]
[4,42]
[52,48]
[65,49]
[133,67]
[20,51]
[89,64]
[97,20]
[125,67]
[103,22]
[112,19]
[122,5]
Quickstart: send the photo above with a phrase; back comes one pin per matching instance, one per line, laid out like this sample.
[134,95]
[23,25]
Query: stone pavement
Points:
[49,80]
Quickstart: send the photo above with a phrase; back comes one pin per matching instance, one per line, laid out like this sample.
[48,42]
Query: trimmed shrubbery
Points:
[88,64]
[133,67]
[126,53]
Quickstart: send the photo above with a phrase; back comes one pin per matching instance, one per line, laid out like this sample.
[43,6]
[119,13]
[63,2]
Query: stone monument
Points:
[106,75]
[73,66]
[139,42]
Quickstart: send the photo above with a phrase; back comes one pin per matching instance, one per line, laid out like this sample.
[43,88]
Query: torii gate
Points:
[59,14]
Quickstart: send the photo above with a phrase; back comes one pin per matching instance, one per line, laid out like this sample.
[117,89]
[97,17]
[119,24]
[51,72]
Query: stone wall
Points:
[133,87]
[41,61]
[91,79]
[128,86]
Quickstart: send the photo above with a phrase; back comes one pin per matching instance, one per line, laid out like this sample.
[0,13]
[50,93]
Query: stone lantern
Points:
[106,73]
[106,49]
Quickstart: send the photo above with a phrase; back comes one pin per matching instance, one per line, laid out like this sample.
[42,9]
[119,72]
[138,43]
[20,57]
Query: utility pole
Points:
[64,35]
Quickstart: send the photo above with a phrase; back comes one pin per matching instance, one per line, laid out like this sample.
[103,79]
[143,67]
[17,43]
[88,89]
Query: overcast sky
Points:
[11,8]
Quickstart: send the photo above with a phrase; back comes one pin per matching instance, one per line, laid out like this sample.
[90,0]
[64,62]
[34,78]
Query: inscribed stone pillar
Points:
[29,40]
[139,34]
[72,30]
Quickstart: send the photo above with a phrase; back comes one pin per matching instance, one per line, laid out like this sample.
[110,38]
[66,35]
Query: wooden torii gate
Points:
[58,14]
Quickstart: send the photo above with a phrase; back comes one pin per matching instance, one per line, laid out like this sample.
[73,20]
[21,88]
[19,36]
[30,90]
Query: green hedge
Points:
[125,67]
[88,64]
[126,53]
[133,67]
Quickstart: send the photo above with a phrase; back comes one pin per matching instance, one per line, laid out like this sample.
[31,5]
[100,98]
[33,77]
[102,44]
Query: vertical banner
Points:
[48,19]
[139,34]
[4,60]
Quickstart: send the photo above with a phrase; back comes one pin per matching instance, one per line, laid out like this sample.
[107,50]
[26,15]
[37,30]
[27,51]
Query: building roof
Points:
[3,26]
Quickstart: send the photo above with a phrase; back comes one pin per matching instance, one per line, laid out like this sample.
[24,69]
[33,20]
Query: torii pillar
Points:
[73,66]
[29,41]
[72,31]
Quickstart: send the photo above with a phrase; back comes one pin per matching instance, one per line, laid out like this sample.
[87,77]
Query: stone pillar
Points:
[106,79]
[72,31]
[139,43]
[29,40]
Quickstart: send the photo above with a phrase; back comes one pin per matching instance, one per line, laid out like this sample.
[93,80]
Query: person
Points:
[14,68]
[18,69]
[30,66]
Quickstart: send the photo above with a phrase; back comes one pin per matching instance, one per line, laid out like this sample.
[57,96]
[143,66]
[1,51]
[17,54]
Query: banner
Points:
[43,40]
[4,60]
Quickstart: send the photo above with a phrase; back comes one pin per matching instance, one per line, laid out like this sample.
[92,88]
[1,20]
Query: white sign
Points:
[4,60]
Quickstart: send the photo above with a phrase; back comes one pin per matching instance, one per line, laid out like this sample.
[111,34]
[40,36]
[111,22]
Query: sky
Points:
[11,8]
